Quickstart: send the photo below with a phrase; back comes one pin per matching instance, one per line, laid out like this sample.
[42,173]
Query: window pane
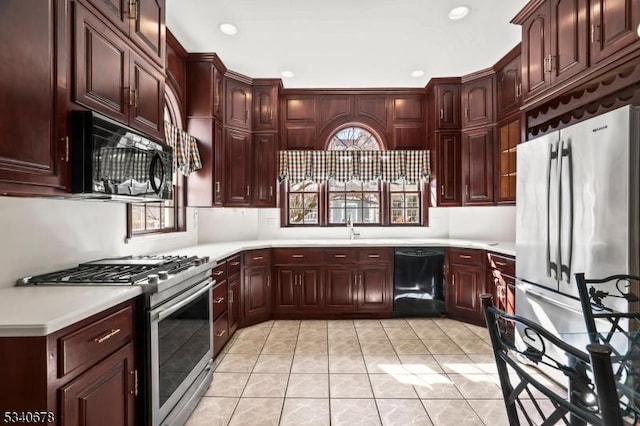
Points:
[311,201]
[306,186]
[371,216]
[396,186]
[371,186]
[412,200]
[137,218]
[371,200]
[296,216]
[413,216]
[153,217]
[336,200]
[397,201]
[336,186]
[354,185]
[337,216]
[295,201]
[354,200]
[397,216]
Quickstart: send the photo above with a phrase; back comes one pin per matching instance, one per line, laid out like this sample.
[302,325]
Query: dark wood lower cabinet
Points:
[340,289]
[103,395]
[298,289]
[235,309]
[466,282]
[374,282]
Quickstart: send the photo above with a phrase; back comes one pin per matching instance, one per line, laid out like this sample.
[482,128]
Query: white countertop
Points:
[41,310]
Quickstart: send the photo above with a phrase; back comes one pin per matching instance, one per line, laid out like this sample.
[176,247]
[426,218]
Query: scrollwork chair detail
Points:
[528,401]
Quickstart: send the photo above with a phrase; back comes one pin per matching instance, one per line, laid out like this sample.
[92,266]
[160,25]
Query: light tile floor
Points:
[362,372]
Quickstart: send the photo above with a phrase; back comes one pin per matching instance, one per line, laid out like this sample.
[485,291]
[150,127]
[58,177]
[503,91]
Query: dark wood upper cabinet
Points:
[237,154]
[447,106]
[477,166]
[613,26]
[116,11]
[508,140]
[265,108]
[477,102]
[238,104]
[218,165]
[148,29]
[264,170]
[218,93]
[33,68]
[509,87]
[448,150]
[536,48]
[147,113]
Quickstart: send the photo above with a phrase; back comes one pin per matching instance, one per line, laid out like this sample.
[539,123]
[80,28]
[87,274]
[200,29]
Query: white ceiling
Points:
[348,43]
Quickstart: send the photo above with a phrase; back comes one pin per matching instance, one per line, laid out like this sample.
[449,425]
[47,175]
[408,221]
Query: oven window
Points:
[183,340]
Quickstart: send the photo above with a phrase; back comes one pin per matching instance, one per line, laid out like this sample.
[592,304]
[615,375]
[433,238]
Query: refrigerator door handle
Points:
[551,266]
[565,268]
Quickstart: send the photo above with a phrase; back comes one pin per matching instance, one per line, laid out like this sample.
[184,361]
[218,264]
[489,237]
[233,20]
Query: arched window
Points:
[353,139]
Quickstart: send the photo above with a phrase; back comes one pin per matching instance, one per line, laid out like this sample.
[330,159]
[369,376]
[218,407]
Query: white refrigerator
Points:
[577,211]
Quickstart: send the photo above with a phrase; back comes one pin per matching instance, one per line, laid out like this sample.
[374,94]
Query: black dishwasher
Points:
[418,285]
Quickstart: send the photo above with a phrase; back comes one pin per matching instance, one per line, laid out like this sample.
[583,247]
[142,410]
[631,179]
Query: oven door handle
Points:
[203,288]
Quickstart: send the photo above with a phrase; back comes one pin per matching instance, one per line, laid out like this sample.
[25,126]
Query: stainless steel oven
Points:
[181,351]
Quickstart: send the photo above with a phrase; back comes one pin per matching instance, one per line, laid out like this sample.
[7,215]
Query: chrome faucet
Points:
[353,233]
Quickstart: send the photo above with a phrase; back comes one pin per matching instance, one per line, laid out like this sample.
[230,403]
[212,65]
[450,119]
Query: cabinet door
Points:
[218,94]
[614,24]
[238,104]
[569,48]
[256,294]
[310,288]
[536,48]
[340,288]
[264,171]
[32,111]
[374,286]
[508,140]
[116,11]
[148,28]
[147,111]
[265,107]
[465,287]
[509,88]
[477,101]
[101,67]
[477,166]
[285,288]
[234,310]
[103,395]
[237,152]
[218,164]
[448,106]
[449,170]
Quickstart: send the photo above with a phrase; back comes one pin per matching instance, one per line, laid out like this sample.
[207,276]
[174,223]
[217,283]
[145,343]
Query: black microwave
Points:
[111,161]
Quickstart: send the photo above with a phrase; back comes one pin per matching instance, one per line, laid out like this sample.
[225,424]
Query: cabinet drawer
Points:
[465,256]
[293,256]
[220,333]
[257,258]
[233,265]
[219,299]
[219,272]
[346,255]
[505,264]
[374,254]
[95,341]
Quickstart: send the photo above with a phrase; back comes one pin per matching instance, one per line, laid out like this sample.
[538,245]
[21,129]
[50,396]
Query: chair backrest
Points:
[528,400]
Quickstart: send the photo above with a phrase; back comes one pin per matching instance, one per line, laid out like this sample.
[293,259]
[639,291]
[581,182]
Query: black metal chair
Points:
[618,329]
[591,389]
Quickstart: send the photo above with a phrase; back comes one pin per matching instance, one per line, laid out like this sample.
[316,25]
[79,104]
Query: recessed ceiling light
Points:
[228,29]
[287,74]
[458,12]
[417,73]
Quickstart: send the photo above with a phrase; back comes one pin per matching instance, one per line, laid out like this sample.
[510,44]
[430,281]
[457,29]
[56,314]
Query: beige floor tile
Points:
[313,324]
[344,347]
[371,333]
[305,412]
[401,333]
[485,362]
[354,412]
[273,364]
[339,324]
[213,411]
[421,322]
[257,412]
[429,332]
[409,347]
[366,323]
[451,413]
[346,364]
[477,386]
[311,347]
[237,363]
[447,323]
[227,384]
[393,386]
[342,333]
[266,385]
[401,412]
[279,347]
[376,347]
[350,386]
[242,346]
[476,346]
[308,386]
[420,364]
[283,333]
[492,412]
[389,364]
[442,347]
[436,386]
[457,364]
[313,334]
[457,334]
[259,333]
[268,324]
[310,364]
[394,323]
[286,323]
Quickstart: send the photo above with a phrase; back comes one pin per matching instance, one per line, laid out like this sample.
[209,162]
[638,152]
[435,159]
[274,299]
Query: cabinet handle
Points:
[500,263]
[552,61]
[466,190]
[247,190]
[595,33]
[441,113]
[133,9]
[374,256]
[107,336]
[271,192]
[519,90]
[135,382]
[230,297]
[295,280]
[268,282]
[545,68]
[218,300]
[465,256]
[66,142]
[297,256]
[466,112]
[221,333]
[218,273]
[235,263]
[218,187]
[360,280]
[258,258]
[453,280]
[339,256]
[441,189]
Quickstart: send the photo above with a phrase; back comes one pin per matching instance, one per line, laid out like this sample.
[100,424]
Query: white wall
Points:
[40,235]
[492,223]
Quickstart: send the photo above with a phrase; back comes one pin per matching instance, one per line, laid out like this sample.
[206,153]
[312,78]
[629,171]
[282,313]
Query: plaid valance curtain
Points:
[186,158]
[343,166]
